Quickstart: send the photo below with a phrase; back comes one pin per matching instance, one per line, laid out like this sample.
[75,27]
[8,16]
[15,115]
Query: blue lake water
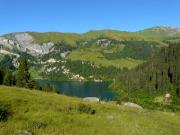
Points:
[82,89]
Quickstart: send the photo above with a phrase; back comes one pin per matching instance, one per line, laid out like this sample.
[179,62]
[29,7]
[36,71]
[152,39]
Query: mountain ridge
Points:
[94,30]
[100,48]
[167,31]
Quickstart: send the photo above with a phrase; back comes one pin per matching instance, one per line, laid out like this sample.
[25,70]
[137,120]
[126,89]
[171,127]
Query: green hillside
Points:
[74,38]
[94,55]
[57,36]
[101,48]
[68,38]
[29,111]
[110,52]
[153,79]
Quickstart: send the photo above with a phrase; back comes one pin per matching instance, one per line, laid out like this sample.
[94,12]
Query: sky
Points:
[83,15]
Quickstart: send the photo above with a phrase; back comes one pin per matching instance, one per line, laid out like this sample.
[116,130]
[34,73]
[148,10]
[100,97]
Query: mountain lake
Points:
[81,89]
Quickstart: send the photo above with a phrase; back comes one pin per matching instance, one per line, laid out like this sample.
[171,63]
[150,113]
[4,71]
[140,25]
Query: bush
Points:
[5,111]
[83,108]
[50,88]
[37,125]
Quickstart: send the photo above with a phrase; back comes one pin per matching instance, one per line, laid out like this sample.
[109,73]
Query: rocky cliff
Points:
[23,42]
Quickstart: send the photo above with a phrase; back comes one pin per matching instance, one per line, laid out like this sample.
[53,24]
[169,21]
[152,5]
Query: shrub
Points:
[5,111]
[37,125]
[83,108]
[50,88]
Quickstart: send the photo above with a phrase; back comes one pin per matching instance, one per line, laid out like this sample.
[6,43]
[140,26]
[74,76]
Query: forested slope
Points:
[158,76]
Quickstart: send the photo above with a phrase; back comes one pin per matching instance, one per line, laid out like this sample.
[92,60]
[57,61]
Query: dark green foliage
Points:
[50,88]
[7,62]
[31,60]
[84,69]
[23,75]
[172,40]
[159,75]
[47,87]
[156,75]
[145,100]
[20,78]
[54,89]
[33,85]
[23,78]
[5,111]
[1,77]
[8,78]
[87,69]
[83,108]
[135,49]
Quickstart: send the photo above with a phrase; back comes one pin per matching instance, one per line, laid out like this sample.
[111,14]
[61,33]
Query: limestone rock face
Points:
[22,38]
[103,42]
[23,42]
[6,43]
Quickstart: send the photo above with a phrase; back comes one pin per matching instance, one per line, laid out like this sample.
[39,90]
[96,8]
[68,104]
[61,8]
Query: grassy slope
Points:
[119,35]
[94,55]
[35,73]
[46,113]
[71,38]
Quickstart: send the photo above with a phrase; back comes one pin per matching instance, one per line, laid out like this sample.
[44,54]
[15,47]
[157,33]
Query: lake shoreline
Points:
[82,89]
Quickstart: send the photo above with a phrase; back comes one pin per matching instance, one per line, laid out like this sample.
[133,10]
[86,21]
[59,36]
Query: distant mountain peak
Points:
[167,31]
[165,28]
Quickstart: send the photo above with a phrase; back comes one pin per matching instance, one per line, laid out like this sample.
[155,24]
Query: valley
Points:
[52,52]
[139,66]
[89,67]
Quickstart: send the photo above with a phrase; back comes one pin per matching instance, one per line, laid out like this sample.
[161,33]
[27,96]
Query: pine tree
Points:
[8,78]
[23,75]
[1,76]
[157,75]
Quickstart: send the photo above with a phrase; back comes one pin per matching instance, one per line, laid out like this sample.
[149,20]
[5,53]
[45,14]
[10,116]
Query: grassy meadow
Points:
[44,113]
[95,56]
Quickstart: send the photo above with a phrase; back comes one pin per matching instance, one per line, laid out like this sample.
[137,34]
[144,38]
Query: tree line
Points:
[21,77]
[88,70]
[158,76]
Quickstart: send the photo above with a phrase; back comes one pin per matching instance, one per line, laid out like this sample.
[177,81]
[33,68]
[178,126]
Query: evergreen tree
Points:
[8,78]
[1,76]
[23,75]
[157,75]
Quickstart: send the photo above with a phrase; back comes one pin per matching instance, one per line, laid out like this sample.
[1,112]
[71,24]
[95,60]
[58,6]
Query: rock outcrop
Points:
[23,42]
[132,105]
[91,99]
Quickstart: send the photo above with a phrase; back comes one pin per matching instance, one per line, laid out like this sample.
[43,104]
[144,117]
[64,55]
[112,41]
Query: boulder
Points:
[167,98]
[132,105]
[24,132]
[167,95]
[91,99]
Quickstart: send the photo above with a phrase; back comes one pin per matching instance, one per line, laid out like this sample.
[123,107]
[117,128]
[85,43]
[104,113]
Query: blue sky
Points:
[84,15]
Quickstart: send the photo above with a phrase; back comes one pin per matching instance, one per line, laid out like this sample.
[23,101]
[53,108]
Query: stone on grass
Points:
[91,99]
[130,104]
